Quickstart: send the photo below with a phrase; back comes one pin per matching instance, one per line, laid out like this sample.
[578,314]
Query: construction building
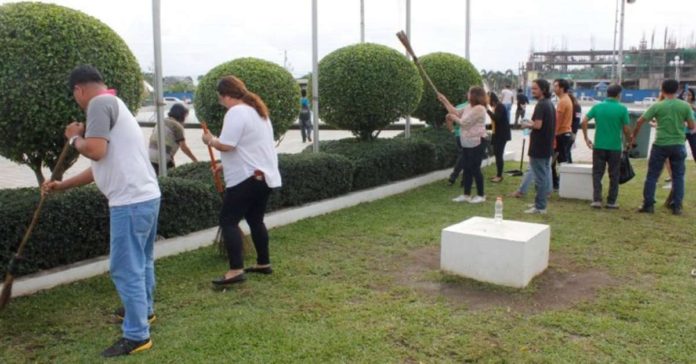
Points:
[643,69]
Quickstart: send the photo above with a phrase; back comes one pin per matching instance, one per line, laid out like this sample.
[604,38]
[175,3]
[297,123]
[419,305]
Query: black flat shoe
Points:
[264,270]
[239,278]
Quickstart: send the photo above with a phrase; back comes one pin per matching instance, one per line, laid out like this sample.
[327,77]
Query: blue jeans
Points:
[133,232]
[508,107]
[541,168]
[528,178]
[677,156]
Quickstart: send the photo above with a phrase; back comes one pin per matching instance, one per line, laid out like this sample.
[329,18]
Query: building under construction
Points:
[643,68]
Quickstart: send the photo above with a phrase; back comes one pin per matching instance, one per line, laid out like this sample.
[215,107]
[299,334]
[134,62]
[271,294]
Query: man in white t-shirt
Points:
[507,97]
[121,169]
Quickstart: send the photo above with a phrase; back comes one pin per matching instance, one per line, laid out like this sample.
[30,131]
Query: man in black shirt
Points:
[543,125]
[522,102]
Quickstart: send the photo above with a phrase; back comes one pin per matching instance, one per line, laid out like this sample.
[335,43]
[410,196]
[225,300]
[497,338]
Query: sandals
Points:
[496,179]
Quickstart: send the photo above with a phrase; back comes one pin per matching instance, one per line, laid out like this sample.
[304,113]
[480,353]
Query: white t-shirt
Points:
[507,96]
[252,139]
[124,175]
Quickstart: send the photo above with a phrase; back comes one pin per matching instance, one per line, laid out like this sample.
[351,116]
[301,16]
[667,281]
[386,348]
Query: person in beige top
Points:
[564,131]
[473,128]
[174,138]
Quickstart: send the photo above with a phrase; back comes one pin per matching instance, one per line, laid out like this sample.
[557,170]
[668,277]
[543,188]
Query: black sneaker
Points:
[647,209]
[676,210]
[120,313]
[125,347]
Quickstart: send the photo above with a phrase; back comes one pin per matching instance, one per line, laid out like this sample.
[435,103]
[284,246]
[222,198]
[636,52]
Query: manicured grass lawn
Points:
[349,287]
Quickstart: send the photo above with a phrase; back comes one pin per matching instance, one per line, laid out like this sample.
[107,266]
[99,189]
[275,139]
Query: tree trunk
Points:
[37,172]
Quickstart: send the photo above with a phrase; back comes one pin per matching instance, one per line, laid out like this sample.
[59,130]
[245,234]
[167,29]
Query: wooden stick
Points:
[9,276]
[213,163]
[407,44]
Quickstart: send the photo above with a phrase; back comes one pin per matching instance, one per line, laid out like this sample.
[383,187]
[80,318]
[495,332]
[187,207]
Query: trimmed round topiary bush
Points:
[40,44]
[271,82]
[365,87]
[452,75]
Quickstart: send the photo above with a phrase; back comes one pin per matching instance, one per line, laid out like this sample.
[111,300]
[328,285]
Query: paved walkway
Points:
[14,175]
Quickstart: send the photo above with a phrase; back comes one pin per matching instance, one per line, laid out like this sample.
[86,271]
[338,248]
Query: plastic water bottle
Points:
[498,217]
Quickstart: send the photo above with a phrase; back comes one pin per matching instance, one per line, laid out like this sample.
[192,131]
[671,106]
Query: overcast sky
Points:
[198,35]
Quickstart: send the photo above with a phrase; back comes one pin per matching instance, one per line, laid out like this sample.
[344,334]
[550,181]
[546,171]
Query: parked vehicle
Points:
[587,100]
[647,101]
[171,100]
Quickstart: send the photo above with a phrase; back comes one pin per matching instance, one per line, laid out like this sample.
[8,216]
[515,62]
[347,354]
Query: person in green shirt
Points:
[672,115]
[611,118]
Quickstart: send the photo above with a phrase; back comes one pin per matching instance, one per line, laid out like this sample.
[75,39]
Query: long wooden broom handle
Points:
[407,44]
[216,176]
[37,212]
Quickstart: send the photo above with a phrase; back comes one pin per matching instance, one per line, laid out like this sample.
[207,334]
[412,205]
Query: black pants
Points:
[601,160]
[246,200]
[459,164]
[691,138]
[563,144]
[519,114]
[499,150]
[472,168]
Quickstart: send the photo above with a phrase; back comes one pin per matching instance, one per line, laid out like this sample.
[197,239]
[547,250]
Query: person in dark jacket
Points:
[501,132]
[522,102]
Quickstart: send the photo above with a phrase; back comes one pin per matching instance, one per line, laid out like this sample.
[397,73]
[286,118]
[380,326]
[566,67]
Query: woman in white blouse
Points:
[250,166]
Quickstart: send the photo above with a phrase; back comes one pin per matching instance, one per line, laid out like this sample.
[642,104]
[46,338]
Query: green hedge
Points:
[306,178]
[446,151]
[311,177]
[382,161]
[74,225]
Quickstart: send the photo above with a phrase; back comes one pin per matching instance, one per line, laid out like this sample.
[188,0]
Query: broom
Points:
[12,266]
[221,189]
[407,44]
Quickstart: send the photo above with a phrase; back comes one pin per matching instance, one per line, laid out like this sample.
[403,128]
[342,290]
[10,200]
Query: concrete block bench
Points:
[509,253]
[576,181]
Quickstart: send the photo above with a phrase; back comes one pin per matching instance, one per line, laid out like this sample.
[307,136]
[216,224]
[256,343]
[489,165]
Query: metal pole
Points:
[315,78]
[407,129]
[619,67]
[362,21]
[613,50]
[159,97]
[468,28]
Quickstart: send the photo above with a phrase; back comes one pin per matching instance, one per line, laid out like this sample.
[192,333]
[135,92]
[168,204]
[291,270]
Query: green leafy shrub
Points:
[271,82]
[311,177]
[74,225]
[366,87]
[446,151]
[40,44]
[306,178]
[380,161]
[452,75]
[187,206]
[197,171]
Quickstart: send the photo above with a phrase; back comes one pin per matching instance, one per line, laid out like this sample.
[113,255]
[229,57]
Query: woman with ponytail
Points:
[250,166]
